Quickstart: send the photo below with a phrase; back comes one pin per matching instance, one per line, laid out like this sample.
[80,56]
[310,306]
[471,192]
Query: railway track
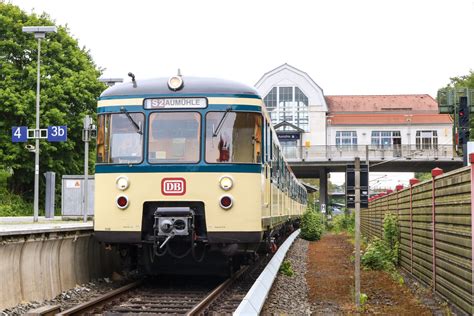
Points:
[146,297]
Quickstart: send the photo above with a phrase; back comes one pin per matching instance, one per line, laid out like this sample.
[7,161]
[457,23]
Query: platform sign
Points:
[19,134]
[57,133]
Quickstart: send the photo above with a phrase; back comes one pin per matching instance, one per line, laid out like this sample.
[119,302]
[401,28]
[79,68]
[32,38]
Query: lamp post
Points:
[40,33]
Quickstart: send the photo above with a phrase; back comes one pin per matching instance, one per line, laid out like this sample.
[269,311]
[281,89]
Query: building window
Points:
[426,140]
[288,104]
[300,96]
[386,139]
[346,138]
[271,100]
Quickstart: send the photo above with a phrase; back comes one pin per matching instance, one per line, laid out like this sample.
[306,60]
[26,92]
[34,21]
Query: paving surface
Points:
[25,225]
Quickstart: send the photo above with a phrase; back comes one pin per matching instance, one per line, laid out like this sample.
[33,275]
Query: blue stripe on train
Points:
[212,107]
[239,168]
[184,95]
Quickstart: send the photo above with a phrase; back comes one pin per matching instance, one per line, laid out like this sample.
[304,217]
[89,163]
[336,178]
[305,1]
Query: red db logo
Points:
[173,186]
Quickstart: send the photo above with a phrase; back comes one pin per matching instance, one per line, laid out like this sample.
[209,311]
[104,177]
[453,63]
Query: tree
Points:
[466,81]
[69,90]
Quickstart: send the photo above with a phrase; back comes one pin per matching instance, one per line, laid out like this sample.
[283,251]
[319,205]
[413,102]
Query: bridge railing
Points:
[373,152]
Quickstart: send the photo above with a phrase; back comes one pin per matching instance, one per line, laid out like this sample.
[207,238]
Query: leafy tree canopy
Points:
[466,81]
[69,89]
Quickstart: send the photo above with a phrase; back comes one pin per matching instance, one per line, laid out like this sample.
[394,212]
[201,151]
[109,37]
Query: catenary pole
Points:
[357,232]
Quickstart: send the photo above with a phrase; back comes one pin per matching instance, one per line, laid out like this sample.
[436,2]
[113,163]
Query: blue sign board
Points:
[57,133]
[19,134]
[288,136]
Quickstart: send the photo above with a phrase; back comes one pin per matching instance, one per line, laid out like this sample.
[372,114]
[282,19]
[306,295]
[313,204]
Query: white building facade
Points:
[312,126]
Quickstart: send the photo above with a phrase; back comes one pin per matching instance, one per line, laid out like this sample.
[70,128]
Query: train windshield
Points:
[233,137]
[174,137]
[118,138]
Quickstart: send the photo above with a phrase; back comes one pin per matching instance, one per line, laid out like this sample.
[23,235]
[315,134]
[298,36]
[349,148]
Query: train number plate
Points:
[173,186]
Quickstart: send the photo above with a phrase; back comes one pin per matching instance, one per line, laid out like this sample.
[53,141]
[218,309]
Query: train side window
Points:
[274,162]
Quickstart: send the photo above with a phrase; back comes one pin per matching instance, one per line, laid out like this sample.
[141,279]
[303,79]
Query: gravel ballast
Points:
[289,294]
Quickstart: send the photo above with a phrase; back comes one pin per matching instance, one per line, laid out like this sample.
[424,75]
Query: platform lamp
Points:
[40,33]
[111,81]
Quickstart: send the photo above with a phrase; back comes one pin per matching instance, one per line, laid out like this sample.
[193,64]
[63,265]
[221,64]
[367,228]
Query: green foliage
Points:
[344,222]
[423,176]
[312,225]
[391,236]
[382,254]
[363,298]
[4,175]
[377,256]
[69,89]
[13,205]
[286,269]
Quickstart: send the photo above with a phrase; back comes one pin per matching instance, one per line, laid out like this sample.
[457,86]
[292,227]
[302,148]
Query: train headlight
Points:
[226,183]
[122,183]
[122,202]
[226,202]
[175,83]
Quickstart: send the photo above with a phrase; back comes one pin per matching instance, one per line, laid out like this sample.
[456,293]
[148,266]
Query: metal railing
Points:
[345,153]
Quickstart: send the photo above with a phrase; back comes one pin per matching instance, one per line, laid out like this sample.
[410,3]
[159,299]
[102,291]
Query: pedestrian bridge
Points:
[310,161]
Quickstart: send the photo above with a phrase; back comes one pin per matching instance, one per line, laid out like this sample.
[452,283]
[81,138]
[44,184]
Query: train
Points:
[190,176]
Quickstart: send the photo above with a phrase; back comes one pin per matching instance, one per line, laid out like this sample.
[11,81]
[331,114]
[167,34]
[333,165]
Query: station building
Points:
[312,126]
[304,117]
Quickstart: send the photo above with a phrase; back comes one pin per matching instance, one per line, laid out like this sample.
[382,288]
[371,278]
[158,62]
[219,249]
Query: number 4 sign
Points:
[19,134]
[57,133]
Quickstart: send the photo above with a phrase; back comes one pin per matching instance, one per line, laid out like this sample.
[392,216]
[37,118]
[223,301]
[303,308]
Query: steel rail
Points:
[81,308]
[211,297]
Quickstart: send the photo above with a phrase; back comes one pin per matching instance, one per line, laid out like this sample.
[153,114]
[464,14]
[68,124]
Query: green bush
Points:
[312,225]
[4,175]
[286,269]
[382,254]
[13,205]
[377,256]
[391,236]
[343,222]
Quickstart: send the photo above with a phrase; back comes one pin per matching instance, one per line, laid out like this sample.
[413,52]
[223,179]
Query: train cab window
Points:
[233,137]
[120,138]
[174,137]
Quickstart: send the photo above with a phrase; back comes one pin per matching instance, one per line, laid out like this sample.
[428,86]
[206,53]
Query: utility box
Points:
[50,194]
[72,197]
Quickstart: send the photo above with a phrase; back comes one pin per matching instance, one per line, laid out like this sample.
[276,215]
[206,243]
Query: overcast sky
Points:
[346,46]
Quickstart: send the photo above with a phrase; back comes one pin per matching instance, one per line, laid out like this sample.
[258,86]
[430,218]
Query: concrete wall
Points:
[38,267]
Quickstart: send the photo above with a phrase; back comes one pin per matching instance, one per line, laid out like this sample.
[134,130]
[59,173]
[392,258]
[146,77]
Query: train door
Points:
[267,200]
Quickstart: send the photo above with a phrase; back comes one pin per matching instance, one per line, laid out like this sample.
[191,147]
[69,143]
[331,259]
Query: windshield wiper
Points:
[221,122]
[130,118]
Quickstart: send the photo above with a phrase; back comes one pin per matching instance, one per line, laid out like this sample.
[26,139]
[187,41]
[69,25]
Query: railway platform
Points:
[24,225]
[39,260]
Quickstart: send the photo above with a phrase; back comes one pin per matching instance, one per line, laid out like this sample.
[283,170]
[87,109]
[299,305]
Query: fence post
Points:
[413,181]
[434,173]
[471,159]
[398,188]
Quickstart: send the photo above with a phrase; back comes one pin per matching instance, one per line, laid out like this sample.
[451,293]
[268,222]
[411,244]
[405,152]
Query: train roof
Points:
[192,85]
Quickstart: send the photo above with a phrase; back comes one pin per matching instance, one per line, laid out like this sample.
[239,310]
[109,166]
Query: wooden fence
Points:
[436,228]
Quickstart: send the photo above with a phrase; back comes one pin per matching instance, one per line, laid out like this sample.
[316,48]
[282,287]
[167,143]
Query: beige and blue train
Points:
[190,176]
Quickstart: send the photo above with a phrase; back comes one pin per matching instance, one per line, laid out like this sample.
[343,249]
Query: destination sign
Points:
[176,103]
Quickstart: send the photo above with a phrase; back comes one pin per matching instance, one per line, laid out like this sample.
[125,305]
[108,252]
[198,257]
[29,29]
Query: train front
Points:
[179,173]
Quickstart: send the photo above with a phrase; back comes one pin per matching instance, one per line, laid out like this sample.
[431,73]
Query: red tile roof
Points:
[388,119]
[377,103]
[384,110]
